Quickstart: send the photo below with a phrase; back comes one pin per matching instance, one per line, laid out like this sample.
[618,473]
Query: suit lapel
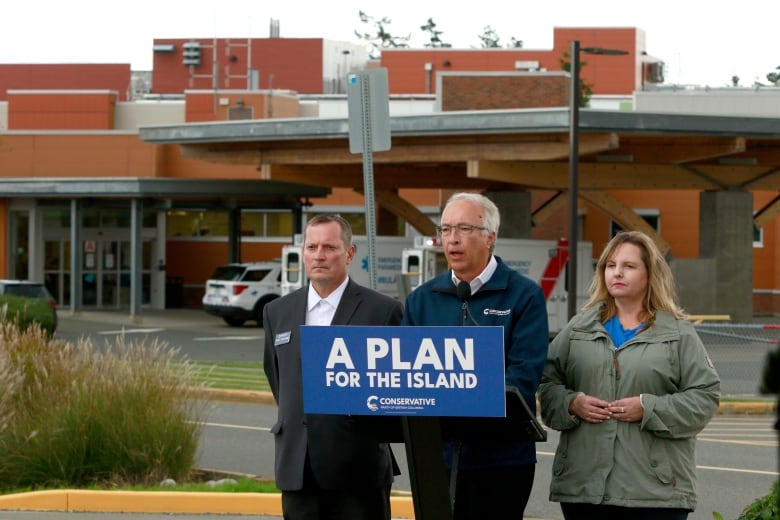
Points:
[298,310]
[348,305]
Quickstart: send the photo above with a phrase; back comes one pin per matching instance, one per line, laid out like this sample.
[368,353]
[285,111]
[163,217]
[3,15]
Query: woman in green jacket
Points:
[629,385]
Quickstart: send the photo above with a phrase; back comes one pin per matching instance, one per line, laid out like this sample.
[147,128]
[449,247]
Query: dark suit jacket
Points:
[343,454]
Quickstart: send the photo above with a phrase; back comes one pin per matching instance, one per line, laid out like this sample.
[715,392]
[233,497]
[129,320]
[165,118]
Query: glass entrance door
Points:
[105,272]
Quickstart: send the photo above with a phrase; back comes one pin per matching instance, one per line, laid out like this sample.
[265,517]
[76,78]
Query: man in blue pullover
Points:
[494,479]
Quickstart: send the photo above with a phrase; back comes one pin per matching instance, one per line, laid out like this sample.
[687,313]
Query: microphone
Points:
[464,294]
[464,291]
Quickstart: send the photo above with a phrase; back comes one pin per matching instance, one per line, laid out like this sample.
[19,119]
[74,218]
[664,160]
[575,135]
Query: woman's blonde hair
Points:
[660,294]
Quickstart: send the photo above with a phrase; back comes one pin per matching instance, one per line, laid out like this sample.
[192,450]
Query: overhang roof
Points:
[525,148]
[505,150]
[243,193]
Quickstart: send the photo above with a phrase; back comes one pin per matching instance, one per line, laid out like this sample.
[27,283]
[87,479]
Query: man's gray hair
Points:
[492,216]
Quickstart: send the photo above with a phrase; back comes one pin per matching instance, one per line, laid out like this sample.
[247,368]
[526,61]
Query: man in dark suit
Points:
[326,466]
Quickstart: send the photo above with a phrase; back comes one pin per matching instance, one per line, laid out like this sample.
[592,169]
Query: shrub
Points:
[765,508]
[75,415]
[26,313]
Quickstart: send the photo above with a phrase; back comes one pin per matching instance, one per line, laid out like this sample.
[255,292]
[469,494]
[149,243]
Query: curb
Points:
[164,502]
[235,396]
[747,408]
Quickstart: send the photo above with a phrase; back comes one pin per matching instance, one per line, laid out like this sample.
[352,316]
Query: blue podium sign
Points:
[423,371]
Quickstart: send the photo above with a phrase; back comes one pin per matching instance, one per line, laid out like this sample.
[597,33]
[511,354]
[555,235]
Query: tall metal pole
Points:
[368,178]
[574,153]
[215,73]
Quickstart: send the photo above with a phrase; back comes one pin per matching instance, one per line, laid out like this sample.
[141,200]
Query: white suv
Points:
[238,292]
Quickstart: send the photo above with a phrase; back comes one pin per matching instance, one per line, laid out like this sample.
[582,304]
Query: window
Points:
[254,223]
[651,216]
[357,220]
[758,236]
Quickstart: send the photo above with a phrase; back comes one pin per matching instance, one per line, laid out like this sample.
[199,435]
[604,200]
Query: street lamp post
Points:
[574,164]
[574,158]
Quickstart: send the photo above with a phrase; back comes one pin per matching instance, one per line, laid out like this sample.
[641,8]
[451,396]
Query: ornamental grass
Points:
[74,415]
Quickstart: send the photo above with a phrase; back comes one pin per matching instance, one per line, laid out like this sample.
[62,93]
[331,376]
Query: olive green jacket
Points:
[649,463]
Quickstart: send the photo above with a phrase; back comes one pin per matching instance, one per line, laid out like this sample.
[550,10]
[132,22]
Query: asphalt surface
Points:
[160,505]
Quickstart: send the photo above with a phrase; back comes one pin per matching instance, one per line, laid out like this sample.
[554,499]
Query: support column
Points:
[234,235]
[515,210]
[726,234]
[75,256]
[136,258]
[386,222]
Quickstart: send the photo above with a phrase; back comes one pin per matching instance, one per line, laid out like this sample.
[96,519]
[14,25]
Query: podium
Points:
[410,397]
[423,436]
[520,424]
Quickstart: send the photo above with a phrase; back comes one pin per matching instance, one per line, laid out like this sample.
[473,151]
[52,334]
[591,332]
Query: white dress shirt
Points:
[320,311]
[477,283]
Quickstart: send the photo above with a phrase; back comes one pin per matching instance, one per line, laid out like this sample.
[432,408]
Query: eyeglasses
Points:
[462,230]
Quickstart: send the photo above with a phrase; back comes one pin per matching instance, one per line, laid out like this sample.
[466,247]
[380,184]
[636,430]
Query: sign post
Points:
[368,106]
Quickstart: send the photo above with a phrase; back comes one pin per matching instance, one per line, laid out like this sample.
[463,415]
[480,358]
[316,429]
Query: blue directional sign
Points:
[426,371]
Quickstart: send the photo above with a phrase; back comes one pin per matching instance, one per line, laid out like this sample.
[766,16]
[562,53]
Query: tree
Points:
[489,37]
[586,91]
[491,40]
[774,77]
[514,43]
[379,37]
[435,40]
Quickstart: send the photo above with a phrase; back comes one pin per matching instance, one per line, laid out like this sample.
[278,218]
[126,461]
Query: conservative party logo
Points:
[371,403]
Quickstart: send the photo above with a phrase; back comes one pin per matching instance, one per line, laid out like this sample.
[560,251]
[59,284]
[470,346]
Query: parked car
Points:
[238,292]
[32,290]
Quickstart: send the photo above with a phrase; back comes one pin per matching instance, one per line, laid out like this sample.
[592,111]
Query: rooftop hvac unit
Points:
[191,53]
[655,72]
[166,48]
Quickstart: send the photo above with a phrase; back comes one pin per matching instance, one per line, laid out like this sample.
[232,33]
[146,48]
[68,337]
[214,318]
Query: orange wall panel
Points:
[72,155]
[421,197]
[678,212]
[555,226]
[340,197]
[61,102]
[203,106]
[65,121]
[65,76]
[175,165]
[766,271]
[679,216]
[58,110]
[17,155]
[283,106]
[179,255]
[616,74]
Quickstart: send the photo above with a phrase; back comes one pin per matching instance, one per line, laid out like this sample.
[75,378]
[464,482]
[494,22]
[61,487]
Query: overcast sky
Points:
[702,42]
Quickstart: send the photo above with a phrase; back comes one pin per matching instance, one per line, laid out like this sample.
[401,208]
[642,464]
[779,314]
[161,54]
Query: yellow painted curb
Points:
[246,396]
[72,500]
[747,408]
[54,500]
[401,507]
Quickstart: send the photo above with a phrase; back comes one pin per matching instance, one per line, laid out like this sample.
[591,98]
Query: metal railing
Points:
[739,352]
